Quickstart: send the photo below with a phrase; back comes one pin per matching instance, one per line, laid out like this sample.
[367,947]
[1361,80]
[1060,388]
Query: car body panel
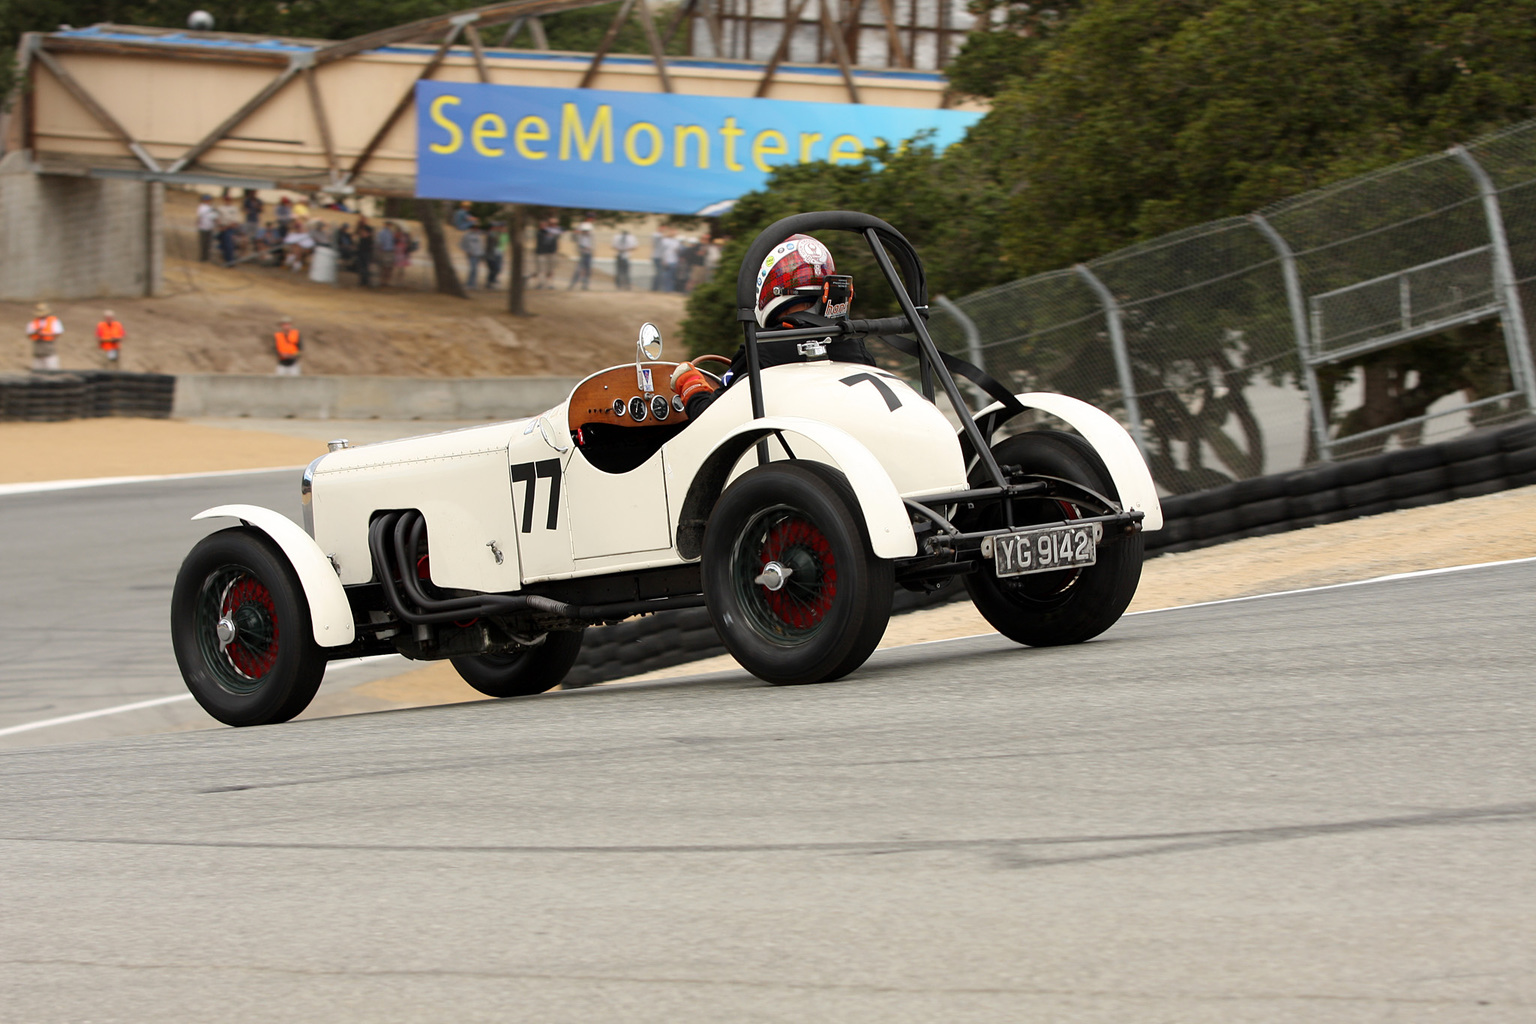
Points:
[330,614]
[458,479]
[1114,445]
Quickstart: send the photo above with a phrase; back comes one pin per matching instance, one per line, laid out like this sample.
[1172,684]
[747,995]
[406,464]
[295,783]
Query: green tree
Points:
[947,207]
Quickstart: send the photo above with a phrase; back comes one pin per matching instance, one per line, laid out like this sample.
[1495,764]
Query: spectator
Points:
[297,245]
[545,247]
[461,218]
[301,211]
[229,228]
[623,244]
[109,338]
[495,252]
[207,227]
[345,247]
[44,330]
[712,252]
[284,213]
[384,248]
[270,250]
[473,244]
[687,250]
[658,245]
[253,206]
[364,254]
[404,246]
[583,270]
[671,248]
[322,234]
[287,343]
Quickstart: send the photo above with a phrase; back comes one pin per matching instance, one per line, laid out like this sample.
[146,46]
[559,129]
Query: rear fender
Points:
[1133,481]
[330,614]
[885,516]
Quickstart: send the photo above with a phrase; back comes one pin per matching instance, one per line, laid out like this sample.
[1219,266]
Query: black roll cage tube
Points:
[883,240]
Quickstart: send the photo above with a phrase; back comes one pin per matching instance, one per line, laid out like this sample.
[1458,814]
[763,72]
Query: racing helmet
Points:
[793,272]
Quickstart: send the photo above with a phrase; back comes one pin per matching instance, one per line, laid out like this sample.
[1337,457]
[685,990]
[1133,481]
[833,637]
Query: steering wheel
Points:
[696,360]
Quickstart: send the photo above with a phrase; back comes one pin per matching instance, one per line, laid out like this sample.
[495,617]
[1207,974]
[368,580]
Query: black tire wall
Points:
[1479,463]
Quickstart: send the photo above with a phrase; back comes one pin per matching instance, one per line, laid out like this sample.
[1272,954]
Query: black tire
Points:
[1052,608]
[826,617]
[523,673]
[269,670]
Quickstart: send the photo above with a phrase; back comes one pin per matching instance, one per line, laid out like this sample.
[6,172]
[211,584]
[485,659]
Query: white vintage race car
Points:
[801,497]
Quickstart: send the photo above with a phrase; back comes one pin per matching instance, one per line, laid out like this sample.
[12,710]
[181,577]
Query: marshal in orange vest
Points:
[287,343]
[110,335]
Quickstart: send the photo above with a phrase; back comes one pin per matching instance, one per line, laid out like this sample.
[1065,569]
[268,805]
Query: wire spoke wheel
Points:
[783,542]
[241,630]
[1067,606]
[789,578]
[237,628]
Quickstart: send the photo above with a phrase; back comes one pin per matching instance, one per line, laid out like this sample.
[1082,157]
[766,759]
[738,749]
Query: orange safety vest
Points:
[110,333]
[287,343]
[44,328]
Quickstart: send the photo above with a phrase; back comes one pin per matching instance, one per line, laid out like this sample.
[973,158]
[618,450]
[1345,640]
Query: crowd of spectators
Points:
[233,230]
[291,236]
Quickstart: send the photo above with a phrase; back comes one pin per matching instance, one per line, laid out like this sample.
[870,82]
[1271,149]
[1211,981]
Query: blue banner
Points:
[649,152]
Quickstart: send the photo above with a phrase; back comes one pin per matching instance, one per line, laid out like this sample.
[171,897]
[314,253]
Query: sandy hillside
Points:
[216,320]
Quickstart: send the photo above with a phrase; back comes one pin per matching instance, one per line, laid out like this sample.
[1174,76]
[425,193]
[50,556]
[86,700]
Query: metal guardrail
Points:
[1220,347]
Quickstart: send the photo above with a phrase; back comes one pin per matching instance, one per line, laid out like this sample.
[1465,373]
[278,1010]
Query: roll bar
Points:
[908,283]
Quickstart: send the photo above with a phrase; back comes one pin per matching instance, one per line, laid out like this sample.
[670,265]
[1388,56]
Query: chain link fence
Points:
[1378,313]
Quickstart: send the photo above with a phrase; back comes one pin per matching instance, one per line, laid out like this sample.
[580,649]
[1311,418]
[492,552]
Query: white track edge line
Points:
[1277,593]
[37,486]
[347,663]
[82,716]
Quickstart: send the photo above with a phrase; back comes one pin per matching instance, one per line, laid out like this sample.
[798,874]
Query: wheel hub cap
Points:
[773,576]
[226,631]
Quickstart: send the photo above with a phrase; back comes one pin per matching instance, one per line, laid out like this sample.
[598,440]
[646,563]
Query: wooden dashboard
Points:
[616,399]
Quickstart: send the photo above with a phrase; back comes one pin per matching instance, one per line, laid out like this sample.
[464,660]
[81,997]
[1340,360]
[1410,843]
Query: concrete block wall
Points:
[66,237]
[360,398]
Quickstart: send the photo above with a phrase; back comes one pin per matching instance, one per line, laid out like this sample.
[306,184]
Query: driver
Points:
[797,286]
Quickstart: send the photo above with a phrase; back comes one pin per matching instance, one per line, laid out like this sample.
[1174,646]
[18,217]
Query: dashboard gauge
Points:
[677,402]
[660,407]
[619,408]
[637,408]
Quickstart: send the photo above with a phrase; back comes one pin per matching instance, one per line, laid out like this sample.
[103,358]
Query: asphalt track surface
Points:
[1313,807]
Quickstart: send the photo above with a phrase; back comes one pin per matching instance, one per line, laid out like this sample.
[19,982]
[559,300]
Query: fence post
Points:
[1515,337]
[1122,356]
[972,343]
[1299,328]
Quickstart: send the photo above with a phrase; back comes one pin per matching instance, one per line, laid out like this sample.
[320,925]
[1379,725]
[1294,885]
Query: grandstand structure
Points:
[108,114]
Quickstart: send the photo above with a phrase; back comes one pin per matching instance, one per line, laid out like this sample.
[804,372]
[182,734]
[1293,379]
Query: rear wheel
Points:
[241,630]
[1070,606]
[791,583]
[522,673]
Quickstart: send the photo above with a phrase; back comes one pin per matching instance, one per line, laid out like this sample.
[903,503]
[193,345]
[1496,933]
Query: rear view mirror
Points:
[649,344]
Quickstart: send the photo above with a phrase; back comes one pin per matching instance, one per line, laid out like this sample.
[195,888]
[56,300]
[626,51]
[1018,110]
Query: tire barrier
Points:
[1480,463]
[676,638]
[51,397]
[1475,464]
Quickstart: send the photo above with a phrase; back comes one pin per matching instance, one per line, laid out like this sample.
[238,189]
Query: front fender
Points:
[329,612]
[1126,467]
[885,515]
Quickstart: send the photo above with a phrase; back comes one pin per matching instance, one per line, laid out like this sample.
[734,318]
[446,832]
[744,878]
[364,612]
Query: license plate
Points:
[1045,549]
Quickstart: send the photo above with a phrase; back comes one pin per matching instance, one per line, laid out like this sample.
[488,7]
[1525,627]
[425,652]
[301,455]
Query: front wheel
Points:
[522,673]
[1068,606]
[241,630]
[789,578]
